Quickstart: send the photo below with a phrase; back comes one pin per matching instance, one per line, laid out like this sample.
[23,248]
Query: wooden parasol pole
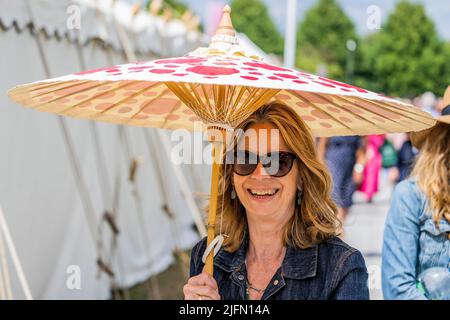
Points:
[209,267]
[217,138]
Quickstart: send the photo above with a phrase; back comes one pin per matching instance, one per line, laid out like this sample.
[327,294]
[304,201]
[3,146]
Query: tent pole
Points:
[15,258]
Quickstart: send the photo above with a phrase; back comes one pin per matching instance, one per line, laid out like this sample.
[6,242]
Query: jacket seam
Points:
[341,262]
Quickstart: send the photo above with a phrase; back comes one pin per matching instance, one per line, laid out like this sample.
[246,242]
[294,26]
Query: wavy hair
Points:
[432,171]
[315,220]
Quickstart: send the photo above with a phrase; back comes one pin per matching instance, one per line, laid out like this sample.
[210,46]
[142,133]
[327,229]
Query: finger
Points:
[189,294]
[203,279]
[208,280]
[204,291]
[197,280]
[192,296]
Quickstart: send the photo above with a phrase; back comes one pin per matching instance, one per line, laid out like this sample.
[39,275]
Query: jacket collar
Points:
[297,264]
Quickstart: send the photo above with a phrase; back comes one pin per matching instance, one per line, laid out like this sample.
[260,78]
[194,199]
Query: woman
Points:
[406,156]
[372,167]
[340,155]
[280,222]
[417,231]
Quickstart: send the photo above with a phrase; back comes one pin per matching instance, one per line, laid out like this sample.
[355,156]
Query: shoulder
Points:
[345,268]
[407,189]
[196,257]
[341,255]
[337,246]
[407,201]
[199,245]
[198,249]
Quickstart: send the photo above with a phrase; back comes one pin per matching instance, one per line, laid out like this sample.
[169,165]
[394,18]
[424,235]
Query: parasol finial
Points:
[225,36]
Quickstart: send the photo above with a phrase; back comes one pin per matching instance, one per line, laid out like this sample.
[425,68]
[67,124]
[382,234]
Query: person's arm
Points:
[351,283]
[401,245]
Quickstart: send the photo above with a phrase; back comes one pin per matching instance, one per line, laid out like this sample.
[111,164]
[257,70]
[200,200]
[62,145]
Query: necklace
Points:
[249,286]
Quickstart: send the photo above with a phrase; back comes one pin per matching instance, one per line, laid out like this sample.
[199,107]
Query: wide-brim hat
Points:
[418,138]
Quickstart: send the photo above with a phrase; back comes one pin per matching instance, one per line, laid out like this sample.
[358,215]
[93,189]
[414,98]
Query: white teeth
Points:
[263,192]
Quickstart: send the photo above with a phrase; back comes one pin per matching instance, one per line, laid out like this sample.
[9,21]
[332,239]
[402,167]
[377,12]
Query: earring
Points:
[233,194]
[299,197]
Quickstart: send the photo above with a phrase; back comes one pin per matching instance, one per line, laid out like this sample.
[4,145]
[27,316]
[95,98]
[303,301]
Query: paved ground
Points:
[364,231]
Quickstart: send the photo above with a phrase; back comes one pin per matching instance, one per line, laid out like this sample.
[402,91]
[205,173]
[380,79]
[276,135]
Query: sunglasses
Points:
[276,164]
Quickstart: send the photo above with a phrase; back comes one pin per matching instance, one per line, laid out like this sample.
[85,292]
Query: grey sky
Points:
[438,10]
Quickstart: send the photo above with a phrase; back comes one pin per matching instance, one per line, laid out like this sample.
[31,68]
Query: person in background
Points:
[406,156]
[417,228]
[428,103]
[339,153]
[372,166]
[440,105]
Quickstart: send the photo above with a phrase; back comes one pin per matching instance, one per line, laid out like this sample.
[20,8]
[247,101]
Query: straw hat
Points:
[418,138]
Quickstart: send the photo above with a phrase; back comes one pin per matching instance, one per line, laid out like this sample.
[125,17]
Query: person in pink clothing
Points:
[369,185]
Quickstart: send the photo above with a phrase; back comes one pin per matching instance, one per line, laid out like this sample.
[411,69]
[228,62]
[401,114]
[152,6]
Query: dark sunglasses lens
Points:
[245,162]
[276,164]
[279,164]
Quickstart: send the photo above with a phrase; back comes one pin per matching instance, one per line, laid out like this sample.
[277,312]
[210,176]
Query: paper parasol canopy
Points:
[217,85]
[221,86]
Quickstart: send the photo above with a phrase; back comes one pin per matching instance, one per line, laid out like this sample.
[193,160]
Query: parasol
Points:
[220,86]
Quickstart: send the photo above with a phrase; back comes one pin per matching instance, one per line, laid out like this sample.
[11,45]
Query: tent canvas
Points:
[38,190]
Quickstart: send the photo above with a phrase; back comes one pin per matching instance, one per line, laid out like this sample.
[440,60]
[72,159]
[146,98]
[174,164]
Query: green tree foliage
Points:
[178,7]
[322,38]
[252,18]
[406,58]
[447,63]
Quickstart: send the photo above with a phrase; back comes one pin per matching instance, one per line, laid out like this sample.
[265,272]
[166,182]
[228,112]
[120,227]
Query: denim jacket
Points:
[412,242]
[329,270]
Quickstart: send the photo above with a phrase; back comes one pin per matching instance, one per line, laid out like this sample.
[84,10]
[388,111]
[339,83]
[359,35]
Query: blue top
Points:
[329,270]
[341,157]
[412,242]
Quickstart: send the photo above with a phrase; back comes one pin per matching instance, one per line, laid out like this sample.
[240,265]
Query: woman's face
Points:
[262,195]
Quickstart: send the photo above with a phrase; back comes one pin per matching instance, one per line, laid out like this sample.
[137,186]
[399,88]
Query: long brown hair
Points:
[432,171]
[315,220]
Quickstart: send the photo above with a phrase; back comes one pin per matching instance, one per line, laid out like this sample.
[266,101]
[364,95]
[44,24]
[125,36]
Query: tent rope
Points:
[76,169]
[104,258]
[4,230]
[139,209]
[172,219]
[5,283]
[115,210]
[130,56]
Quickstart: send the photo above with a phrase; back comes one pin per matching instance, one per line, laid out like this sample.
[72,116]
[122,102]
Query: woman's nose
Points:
[260,171]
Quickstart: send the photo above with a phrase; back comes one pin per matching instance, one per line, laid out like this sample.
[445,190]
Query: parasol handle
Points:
[218,137]
[216,152]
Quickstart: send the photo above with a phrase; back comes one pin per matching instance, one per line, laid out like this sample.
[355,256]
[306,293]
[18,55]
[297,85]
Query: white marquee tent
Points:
[58,176]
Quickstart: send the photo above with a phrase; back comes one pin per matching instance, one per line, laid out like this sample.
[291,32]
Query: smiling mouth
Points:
[265,194]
